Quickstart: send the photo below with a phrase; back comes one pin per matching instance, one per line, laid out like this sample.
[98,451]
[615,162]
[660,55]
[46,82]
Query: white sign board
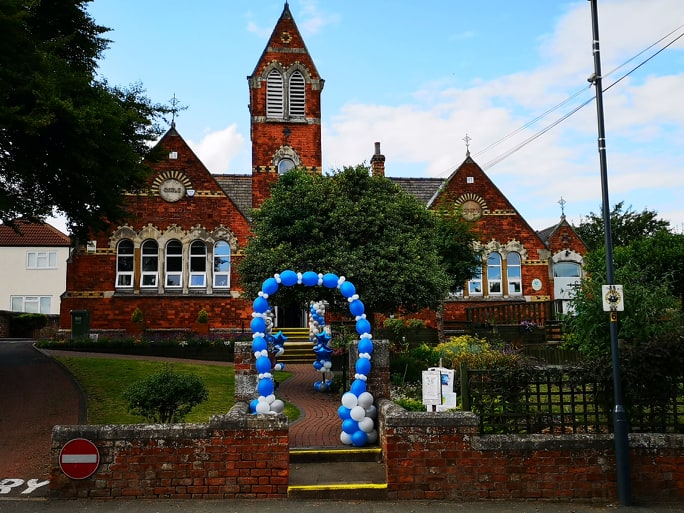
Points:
[432,388]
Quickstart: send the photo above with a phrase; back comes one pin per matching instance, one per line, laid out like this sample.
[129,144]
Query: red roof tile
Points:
[32,234]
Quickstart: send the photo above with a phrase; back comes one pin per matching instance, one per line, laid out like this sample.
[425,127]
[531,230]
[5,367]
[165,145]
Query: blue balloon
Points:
[363,366]
[356,308]
[263,364]
[258,325]
[317,386]
[365,346]
[318,365]
[359,438]
[347,289]
[330,280]
[363,326]
[270,286]
[358,387]
[343,412]
[253,405]
[265,387]
[350,426]
[261,305]
[310,279]
[259,344]
[288,278]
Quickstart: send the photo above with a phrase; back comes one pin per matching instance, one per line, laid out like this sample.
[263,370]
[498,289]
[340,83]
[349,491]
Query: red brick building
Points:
[176,253]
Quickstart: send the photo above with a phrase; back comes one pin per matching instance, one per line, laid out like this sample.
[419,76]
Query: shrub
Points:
[26,323]
[165,397]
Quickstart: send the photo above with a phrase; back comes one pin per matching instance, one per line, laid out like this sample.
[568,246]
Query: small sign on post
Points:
[432,389]
[612,298]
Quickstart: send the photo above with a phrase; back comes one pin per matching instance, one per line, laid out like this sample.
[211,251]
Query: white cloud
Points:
[217,149]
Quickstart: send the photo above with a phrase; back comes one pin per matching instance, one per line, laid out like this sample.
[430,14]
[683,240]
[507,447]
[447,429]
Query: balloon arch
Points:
[357,411]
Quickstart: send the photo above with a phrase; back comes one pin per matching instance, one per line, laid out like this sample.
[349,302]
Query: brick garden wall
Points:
[441,456]
[234,456]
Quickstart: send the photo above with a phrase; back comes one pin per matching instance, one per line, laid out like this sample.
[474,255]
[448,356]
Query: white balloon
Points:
[372,437]
[263,407]
[345,438]
[277,406]
[327,365]
[270,398]
[366,400]
[371,411]
[366,424]
[349,400]
[357,413]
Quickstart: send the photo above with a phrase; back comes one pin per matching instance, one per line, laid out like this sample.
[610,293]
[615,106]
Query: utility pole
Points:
[620,425]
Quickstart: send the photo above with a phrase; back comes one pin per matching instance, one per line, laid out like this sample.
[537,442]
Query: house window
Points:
[149,264]
[494,274]
[567,270]
[514,274]
[475,283]
[297,95]
[32,304]
[41,260]
[274,95]
[174,264]
[222,265]
[198,264]
[124,263]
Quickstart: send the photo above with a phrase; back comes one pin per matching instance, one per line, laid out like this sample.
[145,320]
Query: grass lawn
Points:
[104,380]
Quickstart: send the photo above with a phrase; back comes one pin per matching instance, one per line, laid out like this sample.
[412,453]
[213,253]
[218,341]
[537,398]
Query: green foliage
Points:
[165,397]
[203,316]
[137,315]
[408,366]
[476,353]
[625,226]
[27,322]
[354,225]
[651,309]
[60,125]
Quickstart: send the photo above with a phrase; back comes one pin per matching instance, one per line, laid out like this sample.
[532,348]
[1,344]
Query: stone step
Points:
[337,474]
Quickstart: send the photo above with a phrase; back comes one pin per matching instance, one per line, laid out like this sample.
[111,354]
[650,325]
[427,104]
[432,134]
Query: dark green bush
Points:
[24,324]
[166,396]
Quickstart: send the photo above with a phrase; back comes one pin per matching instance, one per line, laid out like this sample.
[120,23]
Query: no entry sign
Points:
[79,458]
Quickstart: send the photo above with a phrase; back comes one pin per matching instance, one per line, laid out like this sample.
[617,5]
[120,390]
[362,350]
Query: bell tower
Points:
[285,109]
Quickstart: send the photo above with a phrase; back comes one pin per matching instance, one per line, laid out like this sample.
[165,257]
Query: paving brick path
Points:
[318,424]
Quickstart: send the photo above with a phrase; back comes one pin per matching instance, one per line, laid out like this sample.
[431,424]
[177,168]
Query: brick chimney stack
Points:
[377,162]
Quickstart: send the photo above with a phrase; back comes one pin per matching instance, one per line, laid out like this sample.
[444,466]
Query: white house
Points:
[33,262]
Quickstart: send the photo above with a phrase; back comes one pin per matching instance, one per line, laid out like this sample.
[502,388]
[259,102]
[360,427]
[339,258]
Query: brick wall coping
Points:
[238,419]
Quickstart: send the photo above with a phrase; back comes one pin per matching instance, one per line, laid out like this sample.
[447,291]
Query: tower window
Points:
[297,95]
[198,264]
[274,95]
[124,263]
[285,165]
[150,263]
[174,264]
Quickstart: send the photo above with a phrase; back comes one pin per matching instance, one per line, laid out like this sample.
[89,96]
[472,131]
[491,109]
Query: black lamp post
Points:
[620,425]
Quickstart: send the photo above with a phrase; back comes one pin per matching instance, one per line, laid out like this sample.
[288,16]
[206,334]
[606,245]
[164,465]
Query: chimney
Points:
[377,162]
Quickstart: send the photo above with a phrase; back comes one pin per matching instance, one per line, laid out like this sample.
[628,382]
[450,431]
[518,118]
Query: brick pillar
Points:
[378,382]
[245,372]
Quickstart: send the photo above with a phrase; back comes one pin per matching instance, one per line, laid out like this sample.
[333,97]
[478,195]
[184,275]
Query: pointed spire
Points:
[467,140]
[562,203]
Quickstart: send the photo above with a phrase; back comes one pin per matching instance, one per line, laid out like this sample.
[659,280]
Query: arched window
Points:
[149,264]
[222,265]
[174,264]
[274,95]
[494,274]
[514,274]
[296,97]
[567,270]
[198,264]
[124,263]
[475,283]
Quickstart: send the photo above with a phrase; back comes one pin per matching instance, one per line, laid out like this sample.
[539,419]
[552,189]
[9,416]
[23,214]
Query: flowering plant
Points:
[527,326]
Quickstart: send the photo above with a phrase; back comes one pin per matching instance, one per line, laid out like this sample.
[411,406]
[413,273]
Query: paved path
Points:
[318,425]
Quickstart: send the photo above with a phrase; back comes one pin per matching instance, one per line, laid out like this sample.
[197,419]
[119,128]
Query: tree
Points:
[626,226]
[651,307]
[69,143]
[166,396]
[364,228]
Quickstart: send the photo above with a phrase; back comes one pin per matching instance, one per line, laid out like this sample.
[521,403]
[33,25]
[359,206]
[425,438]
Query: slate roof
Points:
[239,189]
[32,234]
[424,189]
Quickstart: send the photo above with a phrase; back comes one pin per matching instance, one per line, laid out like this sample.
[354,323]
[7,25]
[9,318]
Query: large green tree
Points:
[364,228]
[70,144]
[626,226]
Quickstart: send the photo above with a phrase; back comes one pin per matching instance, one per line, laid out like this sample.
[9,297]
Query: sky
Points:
[420,76]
